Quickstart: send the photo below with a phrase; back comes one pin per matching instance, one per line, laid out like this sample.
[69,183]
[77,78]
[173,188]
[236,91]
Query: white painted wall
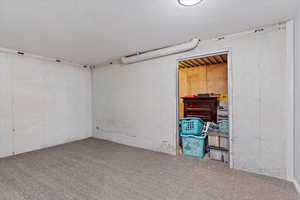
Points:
[297,99]
[136,104]
[47,103]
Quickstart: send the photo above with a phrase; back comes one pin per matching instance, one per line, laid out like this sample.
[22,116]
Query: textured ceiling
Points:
[96,31]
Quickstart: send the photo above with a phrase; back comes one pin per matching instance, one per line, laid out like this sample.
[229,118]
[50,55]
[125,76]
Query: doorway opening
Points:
[204,111]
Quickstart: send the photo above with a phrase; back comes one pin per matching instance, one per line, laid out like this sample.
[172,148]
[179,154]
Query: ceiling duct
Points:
[165,51]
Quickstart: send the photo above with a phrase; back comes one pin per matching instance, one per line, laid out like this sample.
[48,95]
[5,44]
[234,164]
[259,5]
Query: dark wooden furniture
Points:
[203,107]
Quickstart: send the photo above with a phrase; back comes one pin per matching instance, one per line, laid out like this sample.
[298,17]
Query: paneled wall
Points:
[136,104]
[42,103]
[297,100]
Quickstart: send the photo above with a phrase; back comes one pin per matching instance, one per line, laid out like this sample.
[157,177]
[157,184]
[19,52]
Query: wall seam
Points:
[92,102]
[12,93]
[290,149]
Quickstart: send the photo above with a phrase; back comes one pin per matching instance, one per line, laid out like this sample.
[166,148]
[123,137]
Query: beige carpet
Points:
[94,169]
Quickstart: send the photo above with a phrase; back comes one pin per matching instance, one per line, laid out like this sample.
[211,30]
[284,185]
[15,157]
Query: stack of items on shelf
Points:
[218,143]
[218,136]
[192,137]
[222,112]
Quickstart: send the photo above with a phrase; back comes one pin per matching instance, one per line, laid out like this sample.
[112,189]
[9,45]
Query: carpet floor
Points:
[94,169]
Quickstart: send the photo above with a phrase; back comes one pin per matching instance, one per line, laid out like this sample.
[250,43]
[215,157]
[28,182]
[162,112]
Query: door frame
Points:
[227,51]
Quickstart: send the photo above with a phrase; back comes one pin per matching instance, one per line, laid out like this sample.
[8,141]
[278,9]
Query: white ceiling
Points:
[96,31]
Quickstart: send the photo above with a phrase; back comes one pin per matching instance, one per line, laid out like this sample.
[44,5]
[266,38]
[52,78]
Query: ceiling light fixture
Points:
[189,2]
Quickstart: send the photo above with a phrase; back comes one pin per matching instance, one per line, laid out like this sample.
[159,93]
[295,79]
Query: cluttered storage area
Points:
[203,108]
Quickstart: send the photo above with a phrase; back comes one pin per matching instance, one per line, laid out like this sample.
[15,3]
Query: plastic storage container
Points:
[193,145]
[218,139]
[219,154]
[191,126]
[223,126]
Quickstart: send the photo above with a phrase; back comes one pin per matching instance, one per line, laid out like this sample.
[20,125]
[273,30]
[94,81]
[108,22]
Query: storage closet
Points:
[203,102]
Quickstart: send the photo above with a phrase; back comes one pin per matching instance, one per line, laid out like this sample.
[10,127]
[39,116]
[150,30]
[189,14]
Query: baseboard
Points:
[297,186]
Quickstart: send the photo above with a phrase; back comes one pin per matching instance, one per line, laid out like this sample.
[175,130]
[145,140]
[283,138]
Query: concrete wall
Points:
[297,98]
[136,104]
[47,103]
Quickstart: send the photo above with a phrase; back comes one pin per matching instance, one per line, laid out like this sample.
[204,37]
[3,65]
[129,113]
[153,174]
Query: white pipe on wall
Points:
[161,52]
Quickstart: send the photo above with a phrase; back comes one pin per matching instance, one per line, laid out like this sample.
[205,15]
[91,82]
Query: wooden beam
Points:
[220,57]
[203,61]
[189,61]
[195,63]
[210,58]
[207,61]
[183,64]
[187,64]
[214,60]
[198,62]
[224,56]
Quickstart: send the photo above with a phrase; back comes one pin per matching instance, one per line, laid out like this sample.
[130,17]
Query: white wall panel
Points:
[136,104]
[51,102]
[29,104]
[297,100]
[6,116]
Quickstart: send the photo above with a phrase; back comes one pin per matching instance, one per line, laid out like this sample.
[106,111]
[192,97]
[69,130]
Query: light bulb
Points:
[189,2]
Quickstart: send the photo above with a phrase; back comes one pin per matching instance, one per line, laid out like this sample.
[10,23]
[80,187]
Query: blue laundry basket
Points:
[191,126]
[193,145]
